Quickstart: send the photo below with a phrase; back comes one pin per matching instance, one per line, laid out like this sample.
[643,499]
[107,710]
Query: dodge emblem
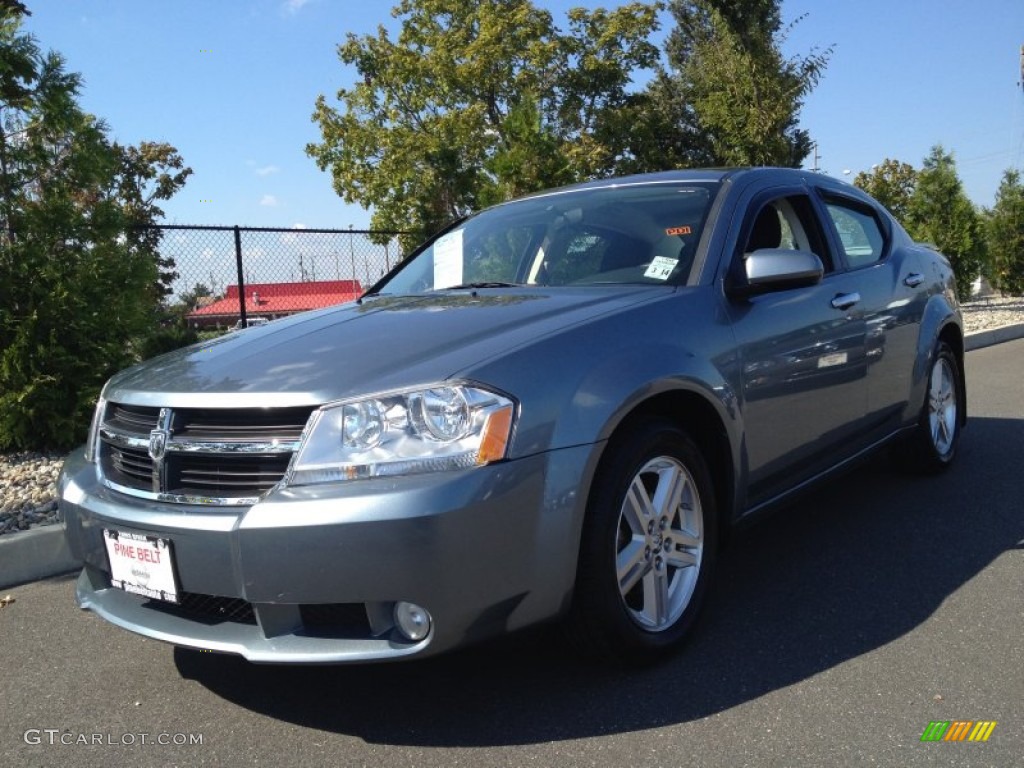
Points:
[157,444]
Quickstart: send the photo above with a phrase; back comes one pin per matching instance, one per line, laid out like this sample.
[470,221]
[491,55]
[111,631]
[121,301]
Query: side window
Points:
[788,223]
[858,232]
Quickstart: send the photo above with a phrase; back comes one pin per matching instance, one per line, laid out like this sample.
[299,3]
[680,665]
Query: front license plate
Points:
[142,565]
[829,361]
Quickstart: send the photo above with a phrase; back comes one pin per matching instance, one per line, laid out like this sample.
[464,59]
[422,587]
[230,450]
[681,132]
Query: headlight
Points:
[94,430]
[402,433]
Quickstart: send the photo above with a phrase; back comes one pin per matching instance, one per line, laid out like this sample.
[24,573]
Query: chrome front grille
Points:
[132,418]
[198,455]
[282,424]
[228,474]
[130,463]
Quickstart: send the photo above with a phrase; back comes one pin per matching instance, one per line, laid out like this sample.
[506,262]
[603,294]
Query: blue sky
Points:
[231,84]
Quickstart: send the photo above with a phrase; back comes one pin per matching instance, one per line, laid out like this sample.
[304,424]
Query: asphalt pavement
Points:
[837,631]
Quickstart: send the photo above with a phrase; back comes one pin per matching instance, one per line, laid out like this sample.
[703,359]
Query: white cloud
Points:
[269,201]
[288,238]
[293,6]
[267,170]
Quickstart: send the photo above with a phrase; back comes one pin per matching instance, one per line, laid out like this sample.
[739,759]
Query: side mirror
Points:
[777,269]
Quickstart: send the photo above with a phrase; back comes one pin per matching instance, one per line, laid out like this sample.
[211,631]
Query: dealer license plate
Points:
[828,361]
[142,565]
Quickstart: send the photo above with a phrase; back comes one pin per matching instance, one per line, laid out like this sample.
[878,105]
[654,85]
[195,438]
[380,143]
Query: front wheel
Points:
[647,548]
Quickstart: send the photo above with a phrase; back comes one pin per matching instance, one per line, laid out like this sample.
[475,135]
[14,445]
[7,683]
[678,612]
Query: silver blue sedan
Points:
[555,409]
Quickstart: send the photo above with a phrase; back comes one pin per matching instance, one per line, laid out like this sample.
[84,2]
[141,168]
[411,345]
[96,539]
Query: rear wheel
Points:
[647,548]
[934,444]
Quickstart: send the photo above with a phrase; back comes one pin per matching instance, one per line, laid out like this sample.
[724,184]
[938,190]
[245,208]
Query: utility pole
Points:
[816,168]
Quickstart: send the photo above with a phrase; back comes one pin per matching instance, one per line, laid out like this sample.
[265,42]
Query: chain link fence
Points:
[236,276]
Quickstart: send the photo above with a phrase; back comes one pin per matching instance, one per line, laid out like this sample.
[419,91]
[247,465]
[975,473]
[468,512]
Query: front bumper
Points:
[311,575]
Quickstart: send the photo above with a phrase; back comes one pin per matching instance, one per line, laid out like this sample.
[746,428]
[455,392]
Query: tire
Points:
[933,445]
[647,549]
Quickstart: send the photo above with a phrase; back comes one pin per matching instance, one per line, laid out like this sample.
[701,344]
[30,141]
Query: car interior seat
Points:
[767,231]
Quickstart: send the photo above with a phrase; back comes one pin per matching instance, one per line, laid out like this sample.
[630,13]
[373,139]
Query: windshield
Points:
[636,234]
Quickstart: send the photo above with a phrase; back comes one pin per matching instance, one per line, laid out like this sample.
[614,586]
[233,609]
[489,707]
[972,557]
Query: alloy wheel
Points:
[942,407]
[659,543]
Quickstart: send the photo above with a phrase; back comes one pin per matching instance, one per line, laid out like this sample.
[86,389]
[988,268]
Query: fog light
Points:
[412,620]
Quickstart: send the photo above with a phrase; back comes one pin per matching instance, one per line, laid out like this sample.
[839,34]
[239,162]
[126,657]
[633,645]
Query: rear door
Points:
[887,280]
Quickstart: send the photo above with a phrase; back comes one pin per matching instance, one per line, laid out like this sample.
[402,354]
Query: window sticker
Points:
[661,267]
[671,231]
[448,260]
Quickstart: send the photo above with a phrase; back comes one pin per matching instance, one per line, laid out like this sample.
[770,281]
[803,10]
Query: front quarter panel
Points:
[576,386]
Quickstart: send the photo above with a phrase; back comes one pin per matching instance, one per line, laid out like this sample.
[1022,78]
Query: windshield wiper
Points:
[482,285]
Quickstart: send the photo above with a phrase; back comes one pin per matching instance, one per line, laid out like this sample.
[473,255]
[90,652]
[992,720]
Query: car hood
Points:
[382,343]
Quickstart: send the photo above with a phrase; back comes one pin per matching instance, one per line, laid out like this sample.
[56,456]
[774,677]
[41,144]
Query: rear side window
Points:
[858,232]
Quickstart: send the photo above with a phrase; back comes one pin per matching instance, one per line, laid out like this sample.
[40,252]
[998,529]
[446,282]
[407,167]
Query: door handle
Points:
[845,300]
[913,280]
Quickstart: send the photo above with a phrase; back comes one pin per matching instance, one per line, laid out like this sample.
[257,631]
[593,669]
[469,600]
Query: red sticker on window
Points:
[678,231]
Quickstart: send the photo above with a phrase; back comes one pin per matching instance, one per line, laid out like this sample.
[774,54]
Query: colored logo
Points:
[958,730]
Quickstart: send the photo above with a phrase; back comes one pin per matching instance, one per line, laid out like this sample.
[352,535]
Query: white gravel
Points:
[992,312]
[28,495]
[27,489]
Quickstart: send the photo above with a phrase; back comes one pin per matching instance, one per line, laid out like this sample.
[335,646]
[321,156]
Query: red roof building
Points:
[273,300]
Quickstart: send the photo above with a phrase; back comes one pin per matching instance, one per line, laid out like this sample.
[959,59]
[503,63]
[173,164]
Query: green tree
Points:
[147,174]
[940,213]
[664,130]
[1006,235]
[188,300]
[480,100]
[79,286]
[891,183]
[731,92]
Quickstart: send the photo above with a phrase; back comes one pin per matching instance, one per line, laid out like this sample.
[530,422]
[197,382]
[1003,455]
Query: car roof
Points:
[765,175]
[781,175]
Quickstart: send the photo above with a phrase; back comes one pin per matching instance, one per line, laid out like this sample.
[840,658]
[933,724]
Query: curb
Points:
[37,553]
[982,339]
[43,552]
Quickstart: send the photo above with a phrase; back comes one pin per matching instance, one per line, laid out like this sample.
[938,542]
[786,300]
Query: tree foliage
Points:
[732,91]
[79,284]
[939,212]
[892,183]
[1006,235]
[477,101]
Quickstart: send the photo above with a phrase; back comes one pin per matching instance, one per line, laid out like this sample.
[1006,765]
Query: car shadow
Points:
[848,569]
